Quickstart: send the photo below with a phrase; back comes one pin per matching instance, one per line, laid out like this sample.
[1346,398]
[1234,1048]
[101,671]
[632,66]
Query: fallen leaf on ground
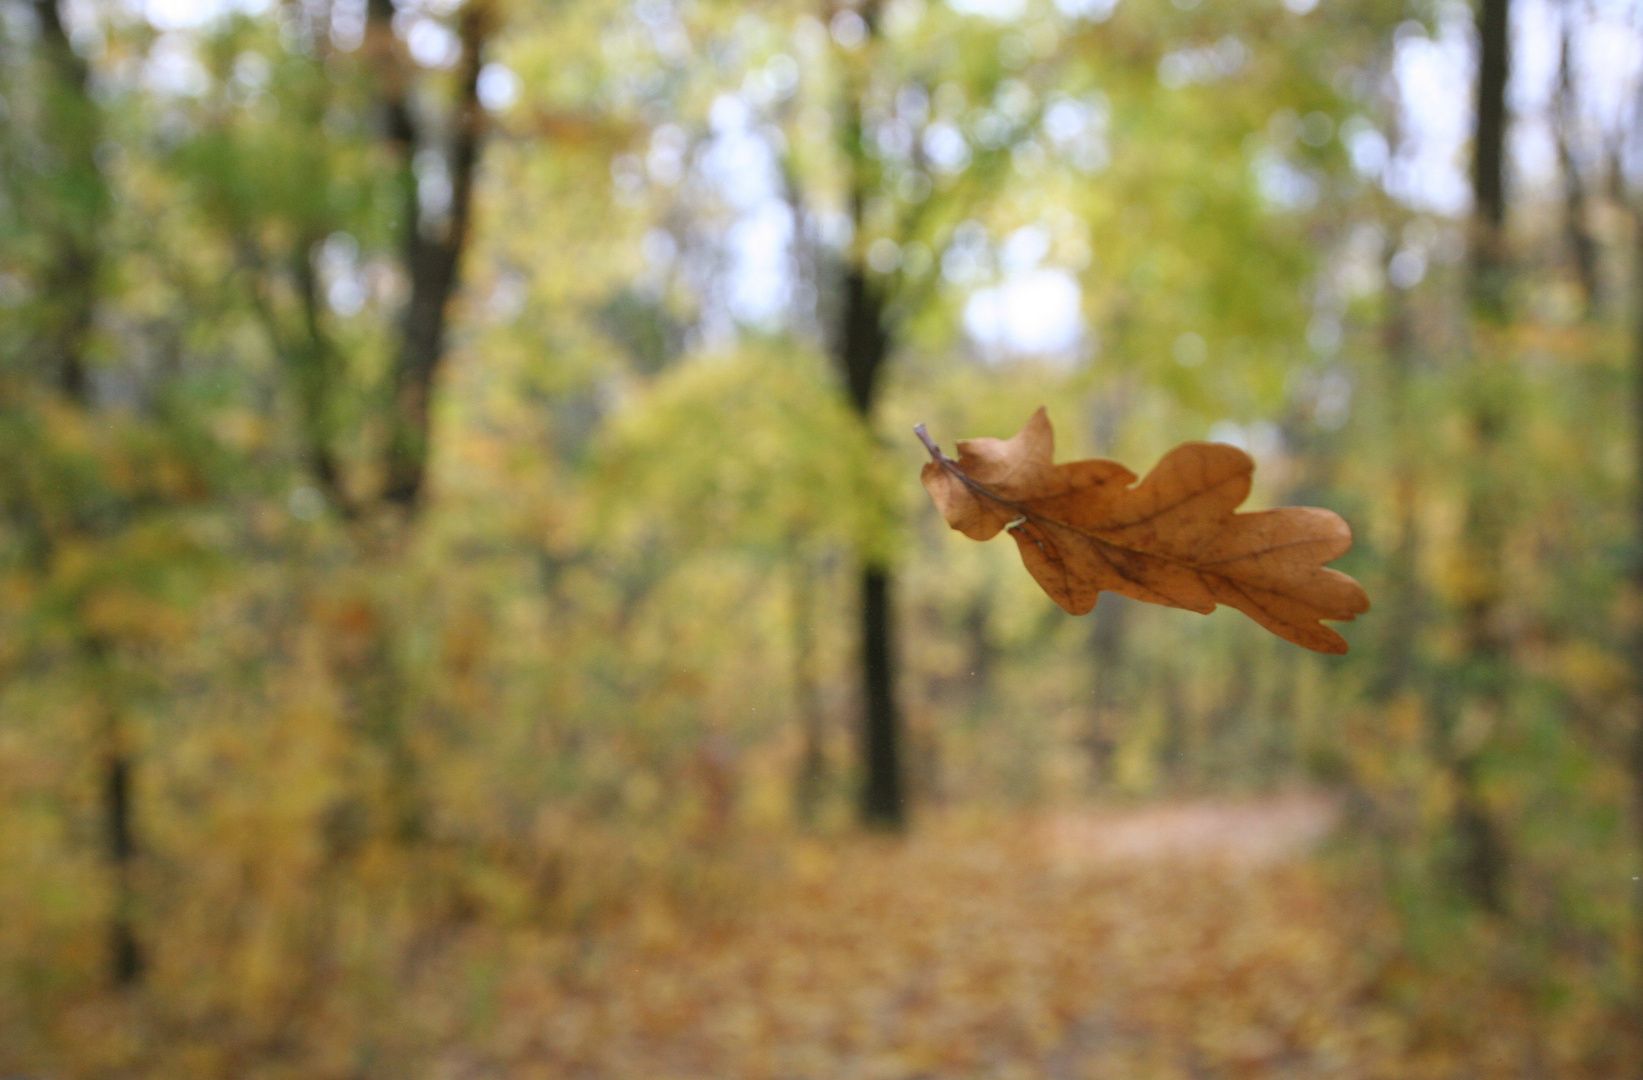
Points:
[1174,539]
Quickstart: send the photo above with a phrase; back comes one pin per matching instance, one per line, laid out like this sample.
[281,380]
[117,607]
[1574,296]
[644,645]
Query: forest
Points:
[469,608]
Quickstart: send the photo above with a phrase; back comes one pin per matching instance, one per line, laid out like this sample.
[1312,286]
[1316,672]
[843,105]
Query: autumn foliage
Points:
[1173,539]
[466,612]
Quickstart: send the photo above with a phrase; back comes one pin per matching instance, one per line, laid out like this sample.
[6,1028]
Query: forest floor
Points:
[1183,941]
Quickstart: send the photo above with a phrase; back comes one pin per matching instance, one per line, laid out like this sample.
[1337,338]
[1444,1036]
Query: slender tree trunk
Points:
[435,238]
[308,354]
[883,787]
[1404,606]
[864,347]
[1108,627]
[1482,858]
[862,342]
[79,205]
[1488,264]
[1636,762]
[861,347]
[1582,245]
[1109,624]
[125,955]
[115,767]
[313,362]
[74,225]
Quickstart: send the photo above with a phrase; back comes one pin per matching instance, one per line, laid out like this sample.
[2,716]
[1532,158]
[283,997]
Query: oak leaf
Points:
[1174,539]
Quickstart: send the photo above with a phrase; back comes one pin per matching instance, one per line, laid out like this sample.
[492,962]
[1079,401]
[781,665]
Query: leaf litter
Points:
[966,951]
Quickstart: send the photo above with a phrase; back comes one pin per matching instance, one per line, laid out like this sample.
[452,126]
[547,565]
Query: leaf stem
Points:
[930,445]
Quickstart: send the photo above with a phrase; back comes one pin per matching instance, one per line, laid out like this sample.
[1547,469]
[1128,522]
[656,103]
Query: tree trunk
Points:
[1405,607]
[125,955]
[115,767]
[864,340]
[1488,267]
[435,238]
[1582,245]
[78,208]
[882,792]
[1482,858]
[1107,632]
[312,362]
[74,223]
[1636,762]
[1109,623]
[861,347]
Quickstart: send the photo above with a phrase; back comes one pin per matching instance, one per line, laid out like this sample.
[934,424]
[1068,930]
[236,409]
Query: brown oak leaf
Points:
[1175,538]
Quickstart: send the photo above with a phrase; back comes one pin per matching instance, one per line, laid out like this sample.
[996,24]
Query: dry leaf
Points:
[1172,539]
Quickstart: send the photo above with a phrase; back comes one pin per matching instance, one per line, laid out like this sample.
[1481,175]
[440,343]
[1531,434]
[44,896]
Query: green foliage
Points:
[753,450]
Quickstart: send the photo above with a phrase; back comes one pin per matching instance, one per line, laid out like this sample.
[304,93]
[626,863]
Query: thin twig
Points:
[930,445]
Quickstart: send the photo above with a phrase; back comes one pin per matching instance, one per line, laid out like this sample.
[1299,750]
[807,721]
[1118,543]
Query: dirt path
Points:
[1249,834]
[1185,941]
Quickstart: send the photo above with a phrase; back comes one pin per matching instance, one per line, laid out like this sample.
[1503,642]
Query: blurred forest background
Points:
[467,608]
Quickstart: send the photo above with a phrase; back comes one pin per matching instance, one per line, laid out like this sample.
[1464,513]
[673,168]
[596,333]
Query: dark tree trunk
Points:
[882,792]
[1405,604]
[434,242]
[1107,633]
[864,340]
[306,350]
[313,366]
[1489,159]
[1109,625]
[79,204]
[115,767]
[1636,762]
[1582,245]
[861,347]
[74,223]
[1482,856]
[125,955]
